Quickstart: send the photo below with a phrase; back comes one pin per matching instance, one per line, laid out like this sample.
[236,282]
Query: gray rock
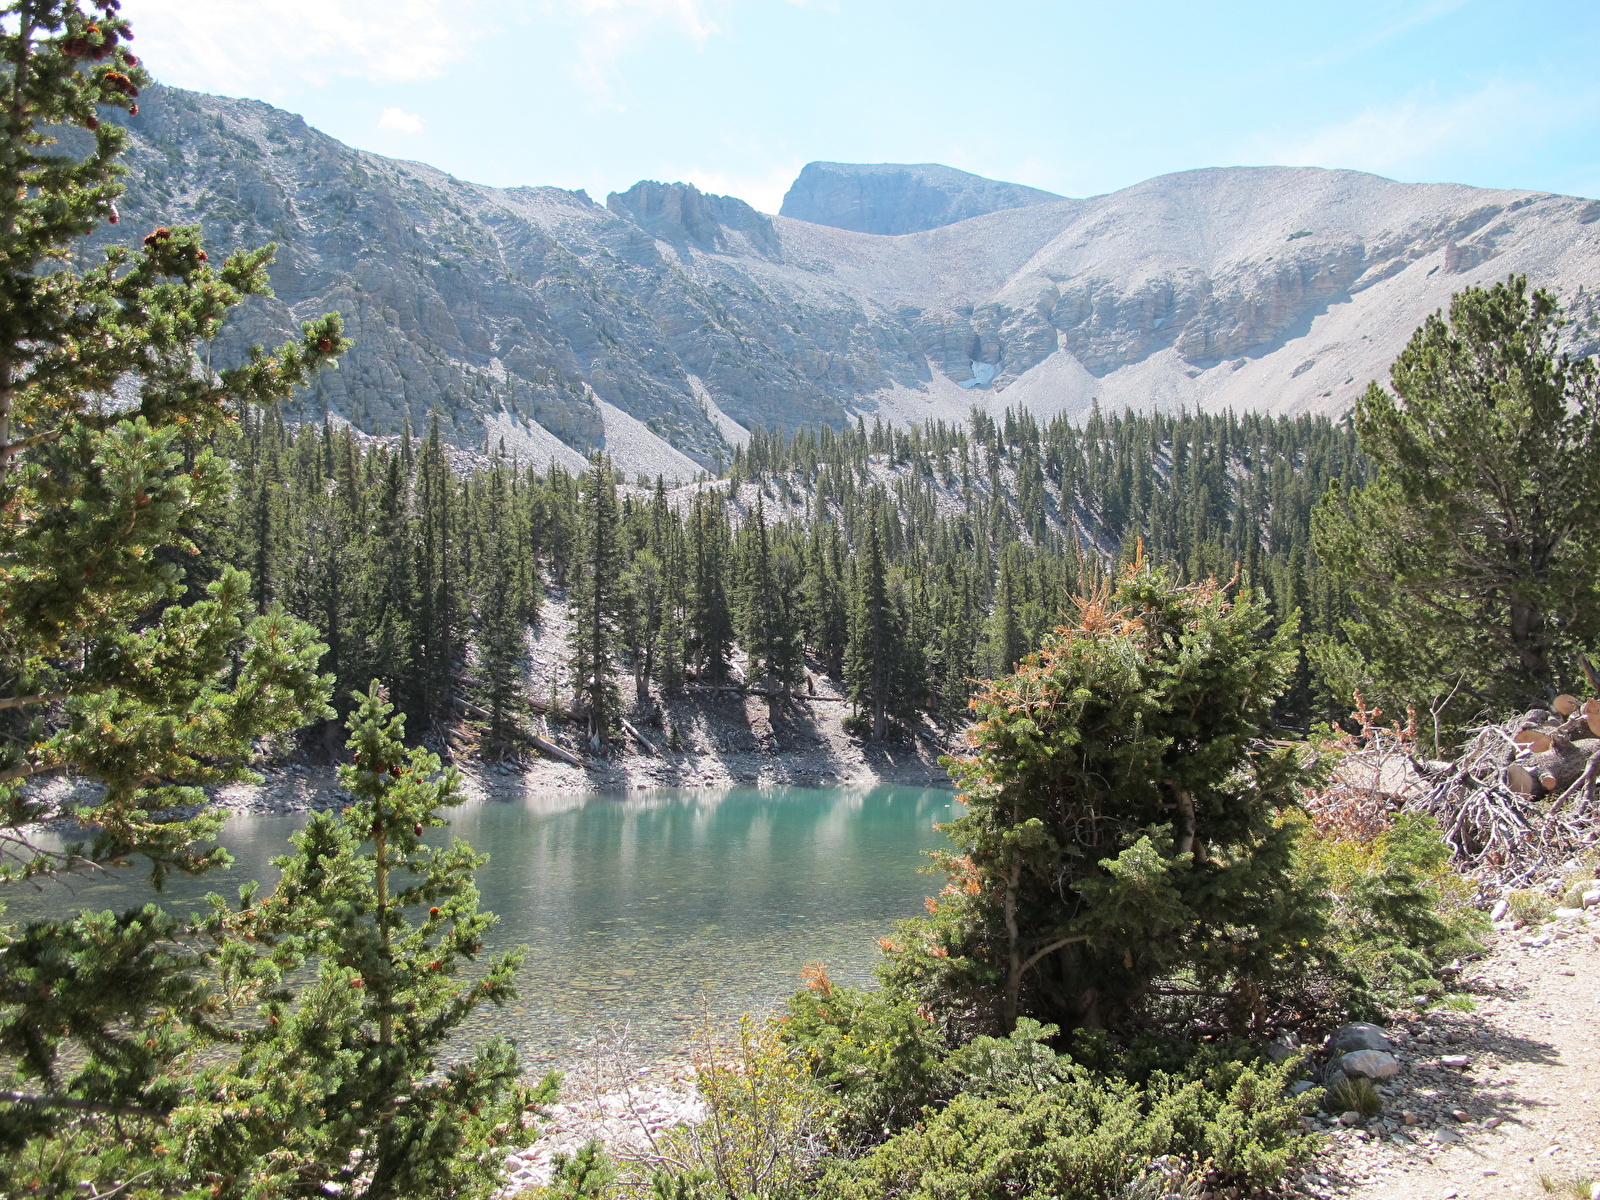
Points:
[1446,1136]
[1301,1087]
[1332,1076]
[899,197]
[1358,1035]
[1350,1118]
[1455,1060]
[1370,1064]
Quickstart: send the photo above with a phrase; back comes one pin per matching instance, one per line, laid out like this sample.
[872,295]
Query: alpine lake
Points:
[650,912]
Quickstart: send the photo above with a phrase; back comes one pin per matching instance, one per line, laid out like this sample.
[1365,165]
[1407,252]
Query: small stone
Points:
[1400,1139]
[1562,913]
[1409,1117]
[1591,898]
[1350,1118]
[1501,907]
[1493,1122]
[1460,1115]
[1455,1060]
[1301,1087]
[1370,1064]
[1446,1136]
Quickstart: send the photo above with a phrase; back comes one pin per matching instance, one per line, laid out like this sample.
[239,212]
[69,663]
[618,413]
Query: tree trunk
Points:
[1553,771]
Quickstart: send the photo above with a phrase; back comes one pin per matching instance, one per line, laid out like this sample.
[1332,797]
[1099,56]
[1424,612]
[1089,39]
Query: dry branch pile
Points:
[1515,806]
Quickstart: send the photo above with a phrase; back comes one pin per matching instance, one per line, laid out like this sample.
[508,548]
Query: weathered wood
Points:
[1566,705]
[1553,770]
[546,746]
[1535,740]
[640,738]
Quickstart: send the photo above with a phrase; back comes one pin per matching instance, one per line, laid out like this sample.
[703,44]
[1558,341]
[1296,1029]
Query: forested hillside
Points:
[905,563]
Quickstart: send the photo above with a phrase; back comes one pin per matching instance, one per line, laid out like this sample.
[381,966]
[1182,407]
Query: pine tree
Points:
[109,669]
[710,624]
[768,622]
[1470,556]
[501,611]
[869,663]
[1121,822]
[336,1086]
[596,600]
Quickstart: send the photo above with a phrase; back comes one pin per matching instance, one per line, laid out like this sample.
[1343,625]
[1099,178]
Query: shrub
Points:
[874,1051]
[1530,907]
[1121,823]
[1088,1137]
[1399,912]
[767,1122]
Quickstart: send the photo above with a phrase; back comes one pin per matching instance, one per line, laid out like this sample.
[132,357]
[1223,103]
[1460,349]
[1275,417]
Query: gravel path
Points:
[1505,1100]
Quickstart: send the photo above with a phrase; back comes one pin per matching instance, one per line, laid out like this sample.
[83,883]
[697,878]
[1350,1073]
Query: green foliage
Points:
[1121,823]
[767,1122]
[1466,577]
[1530,906]
[880,1058]
[291,1040]
[1087,1137]
[105,671]
[1356,1095]
[597,600]
[1399,913]
[586,1175]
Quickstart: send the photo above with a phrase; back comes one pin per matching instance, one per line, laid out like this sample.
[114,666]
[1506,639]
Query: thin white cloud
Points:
[763,190]
[399,120]
[271,47]
[607,29]
[1407,137]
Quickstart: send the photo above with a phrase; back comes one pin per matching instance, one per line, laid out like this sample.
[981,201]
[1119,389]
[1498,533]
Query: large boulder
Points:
[1372,1064]
[1358,1035]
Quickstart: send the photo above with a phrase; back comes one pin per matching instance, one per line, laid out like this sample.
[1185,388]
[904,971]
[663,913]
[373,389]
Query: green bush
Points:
[1086,1137]
[1530,907]
[1399,912]
[1121,832]
[874,1051]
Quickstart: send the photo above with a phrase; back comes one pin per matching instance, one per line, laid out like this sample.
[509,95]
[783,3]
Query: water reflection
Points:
[646,910]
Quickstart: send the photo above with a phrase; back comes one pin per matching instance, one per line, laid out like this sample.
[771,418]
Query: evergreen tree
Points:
[710,620]
[768,622]
[502,617]
[111,669]
[1121,821]
[869,666]
[1470,555]
[336,1086]
[596,599]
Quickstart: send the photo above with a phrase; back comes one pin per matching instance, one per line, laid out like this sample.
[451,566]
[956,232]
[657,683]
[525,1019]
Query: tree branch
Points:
[1051,948]
[24,701]
[76,1105]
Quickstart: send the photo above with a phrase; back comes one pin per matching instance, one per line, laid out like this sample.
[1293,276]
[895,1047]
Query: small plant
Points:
[1529,907]
[1460,1002]
[1577,1188]
[1355,1095]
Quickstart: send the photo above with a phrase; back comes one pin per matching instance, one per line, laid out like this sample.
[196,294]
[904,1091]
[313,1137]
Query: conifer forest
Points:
[904,562]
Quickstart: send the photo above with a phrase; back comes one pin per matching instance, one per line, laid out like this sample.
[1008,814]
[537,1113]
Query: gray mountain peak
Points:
[680,213]
[899,197]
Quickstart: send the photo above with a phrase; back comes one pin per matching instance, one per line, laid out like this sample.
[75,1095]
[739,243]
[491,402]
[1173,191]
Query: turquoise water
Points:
[652,910]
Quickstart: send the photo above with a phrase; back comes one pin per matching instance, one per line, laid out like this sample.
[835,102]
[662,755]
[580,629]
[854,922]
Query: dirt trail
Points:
[1522,1117]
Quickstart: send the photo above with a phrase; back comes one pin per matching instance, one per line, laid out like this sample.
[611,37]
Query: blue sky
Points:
[736,95]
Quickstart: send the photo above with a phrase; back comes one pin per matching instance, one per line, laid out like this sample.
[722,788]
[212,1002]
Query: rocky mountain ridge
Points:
[664,324]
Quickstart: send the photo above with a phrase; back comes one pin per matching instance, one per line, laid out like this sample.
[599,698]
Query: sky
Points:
[1080,99]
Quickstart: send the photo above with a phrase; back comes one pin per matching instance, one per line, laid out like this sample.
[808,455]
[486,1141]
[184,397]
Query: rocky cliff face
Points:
[661,324]
[893,198]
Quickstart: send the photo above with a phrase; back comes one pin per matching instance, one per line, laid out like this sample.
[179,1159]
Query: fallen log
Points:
[1552,770]
[546,746]
[640,738]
